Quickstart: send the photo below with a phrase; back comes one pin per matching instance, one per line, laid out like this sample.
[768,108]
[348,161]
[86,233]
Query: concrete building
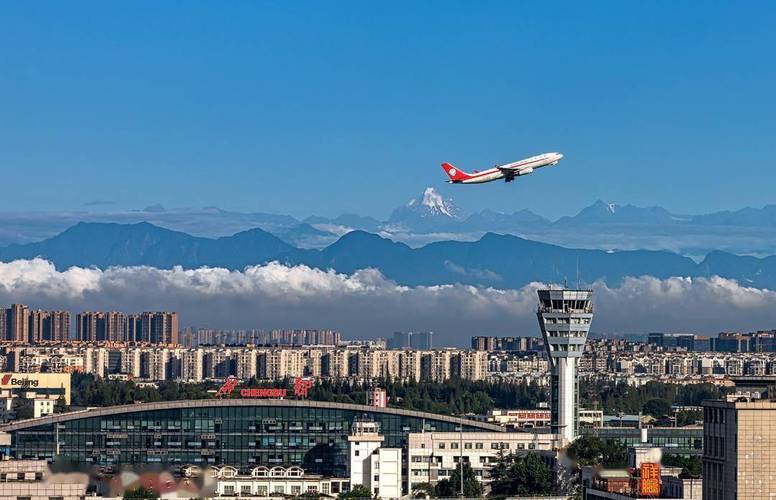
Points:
[412,340]
[635,482]
[471,365]
[520,418]
[564,318]
[48,386]
[56,327]
[165,362]
[739,450]
[32,479]
[86,326]
[113,327]
[514,344]
[15,323]
[159,327]
[276,481]
[37,320]
[377,397]
[433,456]
[371,465]
[689,488]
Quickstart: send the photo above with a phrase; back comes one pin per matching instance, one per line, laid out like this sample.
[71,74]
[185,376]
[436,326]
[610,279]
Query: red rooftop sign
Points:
[301,388]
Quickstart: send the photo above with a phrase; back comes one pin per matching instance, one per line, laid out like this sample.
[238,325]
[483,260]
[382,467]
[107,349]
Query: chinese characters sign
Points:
[649,481]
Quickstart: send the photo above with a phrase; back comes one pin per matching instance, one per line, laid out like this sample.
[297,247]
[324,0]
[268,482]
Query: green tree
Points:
[423,490]
[692,466]
[60,406]
[311,495]
[24,411]
[451,397]
[357,491]
[621,397]
[590,450]
[657,407]
[688,417]
[472,488]
[139,493]
[524,476]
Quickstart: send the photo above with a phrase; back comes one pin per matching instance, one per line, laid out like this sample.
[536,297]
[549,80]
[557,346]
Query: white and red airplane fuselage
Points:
[507,172]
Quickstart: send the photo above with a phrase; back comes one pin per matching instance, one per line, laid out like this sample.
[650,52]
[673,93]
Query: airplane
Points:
[507,172]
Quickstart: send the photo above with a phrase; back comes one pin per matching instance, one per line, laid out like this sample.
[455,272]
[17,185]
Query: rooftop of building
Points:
[742,403]
[210,403]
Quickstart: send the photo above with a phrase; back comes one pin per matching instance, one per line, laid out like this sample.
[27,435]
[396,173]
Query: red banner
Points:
[649,479]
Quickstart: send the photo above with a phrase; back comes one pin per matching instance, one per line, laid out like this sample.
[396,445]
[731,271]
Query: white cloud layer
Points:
[366,304]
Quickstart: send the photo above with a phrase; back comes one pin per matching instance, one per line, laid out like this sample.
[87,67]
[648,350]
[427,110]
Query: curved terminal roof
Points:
[210,403]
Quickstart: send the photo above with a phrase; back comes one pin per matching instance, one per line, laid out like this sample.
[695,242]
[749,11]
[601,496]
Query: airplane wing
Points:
[511,172]
[516,170]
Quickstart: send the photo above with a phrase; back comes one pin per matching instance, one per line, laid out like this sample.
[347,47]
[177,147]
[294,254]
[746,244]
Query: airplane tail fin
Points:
[454,174]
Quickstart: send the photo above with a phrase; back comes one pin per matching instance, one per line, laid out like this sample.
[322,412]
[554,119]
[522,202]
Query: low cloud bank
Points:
[366,304]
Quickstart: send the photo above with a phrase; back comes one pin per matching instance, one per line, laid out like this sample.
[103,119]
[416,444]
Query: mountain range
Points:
[497,260]
[432,218]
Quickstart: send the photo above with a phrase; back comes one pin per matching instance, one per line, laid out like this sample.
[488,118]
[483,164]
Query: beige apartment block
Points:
[739,455]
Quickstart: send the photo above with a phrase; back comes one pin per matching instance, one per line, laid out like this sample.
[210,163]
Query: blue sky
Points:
[338,107]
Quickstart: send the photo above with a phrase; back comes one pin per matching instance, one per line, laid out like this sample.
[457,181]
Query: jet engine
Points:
[526,171]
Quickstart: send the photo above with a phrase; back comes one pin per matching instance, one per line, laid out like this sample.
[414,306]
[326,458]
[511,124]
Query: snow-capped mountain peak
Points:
[427,210]
[435,204]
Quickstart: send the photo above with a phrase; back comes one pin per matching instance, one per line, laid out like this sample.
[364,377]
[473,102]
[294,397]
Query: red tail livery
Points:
[454,174]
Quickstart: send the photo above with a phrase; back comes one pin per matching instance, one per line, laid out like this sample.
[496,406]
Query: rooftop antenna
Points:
[579,287]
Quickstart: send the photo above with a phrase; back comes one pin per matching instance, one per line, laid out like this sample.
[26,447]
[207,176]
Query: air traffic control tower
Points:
[565,317]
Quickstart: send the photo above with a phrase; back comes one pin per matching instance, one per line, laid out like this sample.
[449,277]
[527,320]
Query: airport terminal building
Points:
[241,433]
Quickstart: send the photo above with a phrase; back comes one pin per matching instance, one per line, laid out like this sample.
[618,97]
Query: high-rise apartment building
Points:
[36,325]
[86,326]
[739,450]
[564,318]
[56,327]
[484,343]
[49,326]
[134,328]
[159,327]
[4,323]
[18,320]
[112,326]
[516,344]
[412,340]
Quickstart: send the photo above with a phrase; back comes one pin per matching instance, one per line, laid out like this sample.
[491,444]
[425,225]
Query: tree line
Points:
[451,397]
[652,398]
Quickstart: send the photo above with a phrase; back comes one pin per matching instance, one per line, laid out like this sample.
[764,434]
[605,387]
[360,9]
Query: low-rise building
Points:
[625,484]
[32,479]
[433,456]
[275,482]
[520,418]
